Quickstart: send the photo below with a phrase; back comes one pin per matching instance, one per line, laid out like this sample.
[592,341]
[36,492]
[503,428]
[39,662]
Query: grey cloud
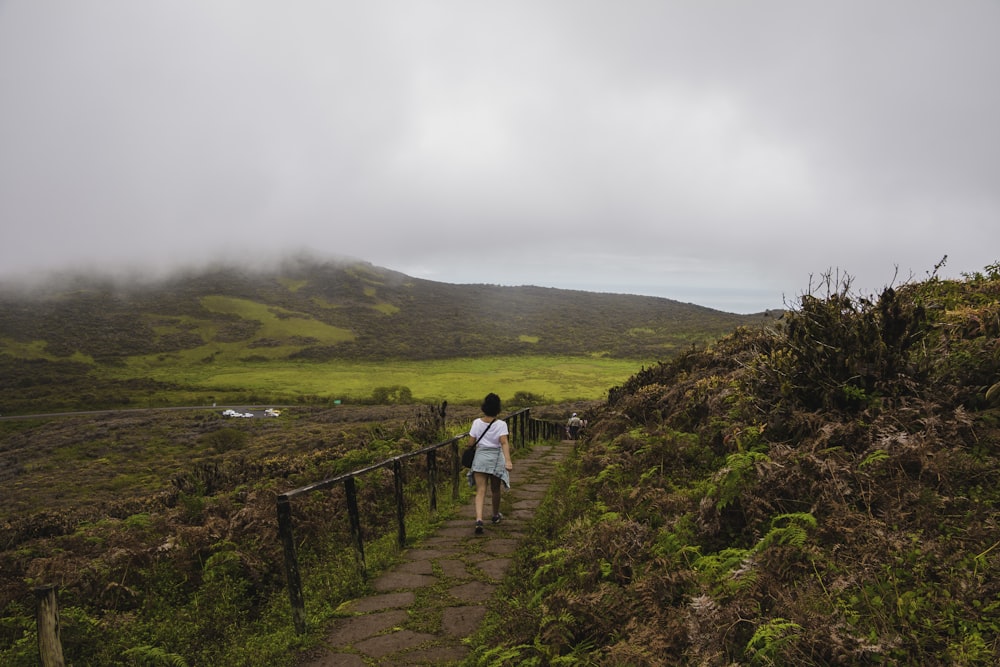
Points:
[673,148]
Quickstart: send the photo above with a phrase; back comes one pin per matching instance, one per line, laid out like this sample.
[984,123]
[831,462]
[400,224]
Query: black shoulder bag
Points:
[470,452]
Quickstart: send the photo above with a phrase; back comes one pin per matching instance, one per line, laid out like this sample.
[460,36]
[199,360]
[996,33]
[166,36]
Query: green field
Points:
[313,333]
[556,379]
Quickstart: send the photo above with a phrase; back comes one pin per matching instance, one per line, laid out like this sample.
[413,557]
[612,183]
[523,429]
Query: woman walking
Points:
[492,464]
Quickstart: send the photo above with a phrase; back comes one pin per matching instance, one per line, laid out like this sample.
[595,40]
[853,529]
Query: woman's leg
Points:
[495,494]
[480,493]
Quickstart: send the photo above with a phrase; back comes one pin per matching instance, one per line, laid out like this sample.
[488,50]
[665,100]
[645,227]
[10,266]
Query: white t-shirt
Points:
[492,437]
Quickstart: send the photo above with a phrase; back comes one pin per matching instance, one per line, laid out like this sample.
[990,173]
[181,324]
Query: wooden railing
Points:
[523,429]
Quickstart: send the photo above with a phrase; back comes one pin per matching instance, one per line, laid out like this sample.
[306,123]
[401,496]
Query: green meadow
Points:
[552,378]
[314,333]
[221,372]
[276,322]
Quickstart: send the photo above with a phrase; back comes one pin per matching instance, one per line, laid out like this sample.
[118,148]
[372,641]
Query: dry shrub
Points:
[821,493]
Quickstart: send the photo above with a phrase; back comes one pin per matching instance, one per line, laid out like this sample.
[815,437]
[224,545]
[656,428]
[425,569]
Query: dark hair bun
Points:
[491,405]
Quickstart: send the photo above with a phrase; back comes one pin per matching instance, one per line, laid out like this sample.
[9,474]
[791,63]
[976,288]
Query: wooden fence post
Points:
[522,429]
[456,469]
[291,565]
[351,488]
[397,477]
[47,621]
[432,478]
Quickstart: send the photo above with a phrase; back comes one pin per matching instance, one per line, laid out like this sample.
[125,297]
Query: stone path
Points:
[423,608]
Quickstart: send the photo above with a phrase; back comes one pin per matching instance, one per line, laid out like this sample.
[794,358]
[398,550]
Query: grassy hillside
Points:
[91,342]
[822,494]
[159,528]
[817,493]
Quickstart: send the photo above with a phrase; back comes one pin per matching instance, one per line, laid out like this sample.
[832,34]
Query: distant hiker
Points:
[492,464]
[573,426]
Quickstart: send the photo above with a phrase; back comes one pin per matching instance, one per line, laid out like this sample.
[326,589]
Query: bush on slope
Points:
[820,493]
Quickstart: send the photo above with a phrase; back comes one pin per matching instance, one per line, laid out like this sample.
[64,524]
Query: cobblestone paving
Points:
[423,609]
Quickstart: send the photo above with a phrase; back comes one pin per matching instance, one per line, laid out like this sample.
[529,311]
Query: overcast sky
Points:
[713,152]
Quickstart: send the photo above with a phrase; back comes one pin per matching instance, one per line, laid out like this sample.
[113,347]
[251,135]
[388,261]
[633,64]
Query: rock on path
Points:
[423,609]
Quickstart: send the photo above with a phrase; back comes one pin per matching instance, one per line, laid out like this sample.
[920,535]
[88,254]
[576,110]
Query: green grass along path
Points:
[423,609]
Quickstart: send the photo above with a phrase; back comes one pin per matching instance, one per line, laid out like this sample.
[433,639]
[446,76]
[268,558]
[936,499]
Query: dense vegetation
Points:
[92,342]
[163,541]
[825,492]
[158,526]
[821,491]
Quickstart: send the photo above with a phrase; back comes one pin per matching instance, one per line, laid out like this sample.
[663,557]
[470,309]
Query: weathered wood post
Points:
[397,477]
[432,478]
[351,488]
[47,621]
[442,418]
[456,468]
[291,565]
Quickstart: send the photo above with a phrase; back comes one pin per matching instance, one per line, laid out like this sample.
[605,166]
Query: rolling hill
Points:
[63,335]
[823,492]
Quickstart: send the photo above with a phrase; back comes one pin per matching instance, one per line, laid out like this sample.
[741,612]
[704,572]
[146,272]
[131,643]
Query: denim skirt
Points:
[491,461]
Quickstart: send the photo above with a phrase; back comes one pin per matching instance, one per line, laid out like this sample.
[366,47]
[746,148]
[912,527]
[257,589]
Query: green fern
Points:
[555,631]
[505,655]
[550,574]
[769,639]
[732,478]
[720,562]
[549,560]
[154,656]
[611,473]
[732,570]
[874,457]
[793,532]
